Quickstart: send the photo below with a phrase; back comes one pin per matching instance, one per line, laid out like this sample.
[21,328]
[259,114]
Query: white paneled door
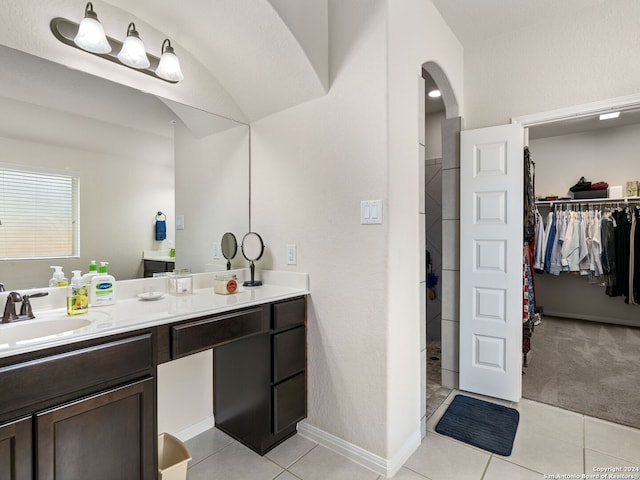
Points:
[491,253]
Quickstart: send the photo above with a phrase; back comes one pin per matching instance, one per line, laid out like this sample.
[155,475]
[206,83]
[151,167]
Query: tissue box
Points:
[615,191]
[180,283]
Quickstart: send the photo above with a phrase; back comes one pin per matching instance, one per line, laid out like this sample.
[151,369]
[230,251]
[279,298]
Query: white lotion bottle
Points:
[103,288]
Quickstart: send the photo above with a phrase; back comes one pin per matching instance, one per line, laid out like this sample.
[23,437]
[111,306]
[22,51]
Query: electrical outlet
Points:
[292,254]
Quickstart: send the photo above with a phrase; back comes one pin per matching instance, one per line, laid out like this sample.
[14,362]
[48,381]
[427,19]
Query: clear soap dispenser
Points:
[58,279]
[77,295]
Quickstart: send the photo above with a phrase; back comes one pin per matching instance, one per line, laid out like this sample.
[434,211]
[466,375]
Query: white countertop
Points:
[158,255]
[131,313]
[161,258]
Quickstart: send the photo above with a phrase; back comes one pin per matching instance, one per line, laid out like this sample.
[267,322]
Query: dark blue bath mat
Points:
[482,424]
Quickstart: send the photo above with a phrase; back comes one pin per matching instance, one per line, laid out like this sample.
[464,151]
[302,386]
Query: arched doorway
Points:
[441,239]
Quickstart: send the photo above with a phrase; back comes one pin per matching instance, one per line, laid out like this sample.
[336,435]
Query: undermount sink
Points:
[37,330]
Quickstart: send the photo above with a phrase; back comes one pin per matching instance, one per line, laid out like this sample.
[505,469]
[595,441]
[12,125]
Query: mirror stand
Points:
[252,249]
[253,282]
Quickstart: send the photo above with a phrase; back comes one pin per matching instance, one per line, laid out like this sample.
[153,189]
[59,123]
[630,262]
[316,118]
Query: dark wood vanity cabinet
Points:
[157,266]
[260,383]
[16,450]
[86,412]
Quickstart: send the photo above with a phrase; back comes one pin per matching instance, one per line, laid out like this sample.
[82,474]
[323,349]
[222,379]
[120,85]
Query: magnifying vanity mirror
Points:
[229,247]
[141,152]
[252,250]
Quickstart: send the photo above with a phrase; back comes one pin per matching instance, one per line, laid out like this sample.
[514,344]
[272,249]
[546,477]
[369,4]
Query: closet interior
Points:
[584,256]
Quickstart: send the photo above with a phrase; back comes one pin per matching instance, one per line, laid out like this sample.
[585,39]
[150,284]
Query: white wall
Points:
[566,61]
[212,192]
[126,176]
[417,34]
[609,155]
[311,167]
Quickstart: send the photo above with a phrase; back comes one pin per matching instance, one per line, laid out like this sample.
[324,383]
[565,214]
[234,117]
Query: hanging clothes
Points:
[608,253]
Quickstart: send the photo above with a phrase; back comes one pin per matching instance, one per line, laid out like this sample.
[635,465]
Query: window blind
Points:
[39,214]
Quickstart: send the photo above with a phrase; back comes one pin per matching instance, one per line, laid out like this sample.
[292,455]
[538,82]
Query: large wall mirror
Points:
[135,155]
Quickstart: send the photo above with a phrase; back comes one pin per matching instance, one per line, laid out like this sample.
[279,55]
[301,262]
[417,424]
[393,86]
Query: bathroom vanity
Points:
[85,406]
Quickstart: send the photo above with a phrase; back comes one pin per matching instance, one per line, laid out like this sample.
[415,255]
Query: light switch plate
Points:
[216,250]
[179,222]
[292,254]
[371,212]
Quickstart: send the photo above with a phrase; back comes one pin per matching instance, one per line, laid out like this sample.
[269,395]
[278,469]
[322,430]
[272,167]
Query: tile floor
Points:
[549,441]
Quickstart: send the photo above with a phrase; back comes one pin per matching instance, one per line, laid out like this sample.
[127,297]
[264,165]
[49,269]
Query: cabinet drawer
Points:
[207,333]
[287,313]
[289,353]
[289,402]
[37,381]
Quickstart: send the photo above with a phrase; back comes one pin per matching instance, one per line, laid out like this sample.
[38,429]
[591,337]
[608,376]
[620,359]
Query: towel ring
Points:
[160,214]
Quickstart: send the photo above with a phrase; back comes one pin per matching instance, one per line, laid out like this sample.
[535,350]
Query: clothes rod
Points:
[590,201]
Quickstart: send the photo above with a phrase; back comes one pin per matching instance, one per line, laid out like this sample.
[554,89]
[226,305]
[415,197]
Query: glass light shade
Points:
[169,66]
[133,53]
[91,36]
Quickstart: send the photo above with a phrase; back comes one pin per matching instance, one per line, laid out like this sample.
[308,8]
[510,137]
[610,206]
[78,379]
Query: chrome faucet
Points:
[26,312]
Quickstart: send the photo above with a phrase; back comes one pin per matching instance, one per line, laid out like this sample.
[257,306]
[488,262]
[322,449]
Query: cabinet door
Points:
[15,450]
[242,373]
[107,436]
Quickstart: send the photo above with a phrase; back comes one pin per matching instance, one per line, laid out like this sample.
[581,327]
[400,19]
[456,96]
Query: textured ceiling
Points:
[247,46]
[473,21]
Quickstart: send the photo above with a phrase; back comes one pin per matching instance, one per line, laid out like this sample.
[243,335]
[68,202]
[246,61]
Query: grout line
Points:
[486,467]
[521,466]
[312,449]
[210,455]
[413,471]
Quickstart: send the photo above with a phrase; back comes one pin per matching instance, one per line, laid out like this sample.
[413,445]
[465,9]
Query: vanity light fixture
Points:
[133,53]
[89,36]
[608,116]
[435,93]
[169,67]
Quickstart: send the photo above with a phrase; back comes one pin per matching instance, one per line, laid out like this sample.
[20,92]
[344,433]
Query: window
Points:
[39,213]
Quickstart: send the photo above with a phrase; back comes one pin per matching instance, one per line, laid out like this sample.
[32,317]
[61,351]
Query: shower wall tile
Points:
[451,241]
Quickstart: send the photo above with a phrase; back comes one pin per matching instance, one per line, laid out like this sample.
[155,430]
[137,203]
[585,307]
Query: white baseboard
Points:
[381,466]
[196,429]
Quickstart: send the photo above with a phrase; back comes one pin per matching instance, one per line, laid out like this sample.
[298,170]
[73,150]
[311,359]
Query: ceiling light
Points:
[169,66]
[133,53]
[435,93]
[607,116]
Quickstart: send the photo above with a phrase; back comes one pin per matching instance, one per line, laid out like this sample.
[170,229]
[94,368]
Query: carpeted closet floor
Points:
[587,367]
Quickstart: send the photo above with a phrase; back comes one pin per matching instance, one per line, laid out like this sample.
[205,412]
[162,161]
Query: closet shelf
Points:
[590,201]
